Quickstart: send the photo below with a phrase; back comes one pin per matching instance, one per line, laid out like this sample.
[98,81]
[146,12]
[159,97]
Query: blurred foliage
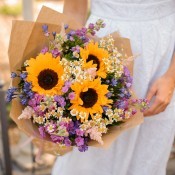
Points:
[12,10]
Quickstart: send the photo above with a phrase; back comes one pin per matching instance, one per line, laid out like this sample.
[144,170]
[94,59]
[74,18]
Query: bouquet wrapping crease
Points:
[26,42]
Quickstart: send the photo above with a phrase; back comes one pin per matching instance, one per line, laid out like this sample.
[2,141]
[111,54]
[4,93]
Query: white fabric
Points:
[145,149]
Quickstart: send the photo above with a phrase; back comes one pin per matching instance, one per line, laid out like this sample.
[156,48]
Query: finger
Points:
[152,91]
[160,109]
[157,103]
[163,103]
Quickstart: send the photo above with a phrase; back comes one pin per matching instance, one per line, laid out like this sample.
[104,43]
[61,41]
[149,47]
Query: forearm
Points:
[77,9]
[171,70]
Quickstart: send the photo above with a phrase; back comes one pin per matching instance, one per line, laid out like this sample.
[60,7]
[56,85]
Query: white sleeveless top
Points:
[150,26]
[133,9]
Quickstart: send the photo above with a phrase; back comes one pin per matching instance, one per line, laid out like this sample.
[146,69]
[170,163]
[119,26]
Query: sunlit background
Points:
[22,152]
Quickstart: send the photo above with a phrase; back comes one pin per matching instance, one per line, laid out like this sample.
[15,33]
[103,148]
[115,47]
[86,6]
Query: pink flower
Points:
[79,141]
[27,113]
[71,96]
[95,134]
[65,89]
[79,132]
[92,72]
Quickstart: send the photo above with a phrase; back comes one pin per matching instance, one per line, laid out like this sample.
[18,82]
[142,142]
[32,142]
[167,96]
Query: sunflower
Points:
[45,73]
[93,57]
[90,96]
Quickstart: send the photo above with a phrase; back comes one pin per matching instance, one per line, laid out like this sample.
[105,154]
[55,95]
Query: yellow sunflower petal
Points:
[94,97]
[44,73]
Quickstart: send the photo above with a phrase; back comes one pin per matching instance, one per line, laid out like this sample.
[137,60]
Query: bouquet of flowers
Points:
[75,90]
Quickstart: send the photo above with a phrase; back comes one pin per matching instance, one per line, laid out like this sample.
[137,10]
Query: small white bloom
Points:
[74,112]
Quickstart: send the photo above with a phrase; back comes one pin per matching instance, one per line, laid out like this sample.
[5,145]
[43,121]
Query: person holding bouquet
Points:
[144,150]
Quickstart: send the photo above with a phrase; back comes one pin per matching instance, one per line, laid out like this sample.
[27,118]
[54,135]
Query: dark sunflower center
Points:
[89,98]
[95,60]
[47,79]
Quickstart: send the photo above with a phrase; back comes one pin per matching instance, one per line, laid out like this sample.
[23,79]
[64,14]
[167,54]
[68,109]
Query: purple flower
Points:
[57,98]
[64,124]
[60,100]
[85,39]
[30,94]
[66,26]
[71,124]
[54,34]
[71,96]
[122,90]
[71,128]
[10,93]
[55,52]
[64,89]
[35,100]
[56,139]
[109,94]
[67,142]
[8,98]
[23,75]
[123,104]
[127,95]
[83,148]
[38,111]
[126,71]
[76,124]
[72,33]
[71,38]
[13,75]
[128,85]
[79,132]
[45,28]
[79,141]
[38,98]
[76,49]
[81,32]
[27,86]
[32,103]
[91,26]
[105,108]
[113,82]
[12,90]
[24,101]
[42,131]
[134,100]
[45,50]
[84,30]
[134,111]
[129,79]
[68,83]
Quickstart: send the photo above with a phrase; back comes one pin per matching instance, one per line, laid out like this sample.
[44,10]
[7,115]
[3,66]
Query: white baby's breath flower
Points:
[39,120]
[109,112]
[26,63]
[76,55]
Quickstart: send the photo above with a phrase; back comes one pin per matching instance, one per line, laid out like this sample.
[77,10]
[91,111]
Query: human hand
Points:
[162,89]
